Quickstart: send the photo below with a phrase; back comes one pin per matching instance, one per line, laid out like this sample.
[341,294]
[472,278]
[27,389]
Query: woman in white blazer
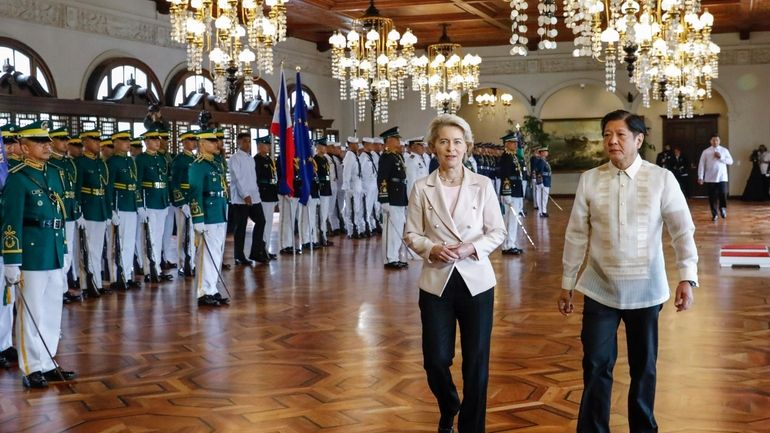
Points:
[454,223]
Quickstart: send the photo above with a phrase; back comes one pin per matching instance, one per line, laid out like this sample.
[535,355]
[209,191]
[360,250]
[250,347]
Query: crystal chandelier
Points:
[546,25]
[236,34]
[665,44]
[444,74]
[372,63]
[487,102]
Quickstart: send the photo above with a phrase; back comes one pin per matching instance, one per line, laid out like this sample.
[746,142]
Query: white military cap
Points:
[378,140]
[353,139]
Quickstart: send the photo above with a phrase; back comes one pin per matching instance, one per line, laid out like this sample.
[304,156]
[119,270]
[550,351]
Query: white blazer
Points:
[476,220]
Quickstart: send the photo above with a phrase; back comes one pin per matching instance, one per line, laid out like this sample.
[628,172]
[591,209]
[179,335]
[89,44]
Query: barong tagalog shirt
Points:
[619,215]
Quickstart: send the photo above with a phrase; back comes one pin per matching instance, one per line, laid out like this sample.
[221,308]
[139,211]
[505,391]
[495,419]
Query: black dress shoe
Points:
[243,262]
[393,265]
[287,250]
[57,374]
[516,251]
[327,244]
[260,259]
[69,298]
[92,292]
[10,354]
[163,265]
[221,299]
[544,215]
[207,301]
[403,264]
[226,266]
[714,217]
[508,251]
[272,256]
[133,284]
[118,285]
[165,277]
[34,380]
[723,212]
[105,290]
[4,363]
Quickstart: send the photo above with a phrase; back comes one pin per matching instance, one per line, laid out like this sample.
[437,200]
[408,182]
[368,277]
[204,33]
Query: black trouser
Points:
[439,317]
[684,185]
[241,214]
[600,350]
[717,192]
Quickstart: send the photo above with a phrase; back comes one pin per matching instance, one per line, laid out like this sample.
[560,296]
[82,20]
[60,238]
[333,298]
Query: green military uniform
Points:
[91,184]
[180,186]
[9,133]
[34,249]
[66,165]
[180,197]
[153,178]
[208,191]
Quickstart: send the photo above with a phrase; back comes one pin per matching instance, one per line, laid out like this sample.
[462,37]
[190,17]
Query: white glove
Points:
[12,274]
[186,210]
[142,214]
[81,222]
[199,227]
[115,218]
[67,261]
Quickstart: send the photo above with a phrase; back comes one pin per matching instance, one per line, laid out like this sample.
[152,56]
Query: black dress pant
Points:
[241,214]
[440,316]
[717,192]
[600,350]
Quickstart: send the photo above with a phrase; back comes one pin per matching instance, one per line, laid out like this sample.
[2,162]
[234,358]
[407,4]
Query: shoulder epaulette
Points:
[18,167]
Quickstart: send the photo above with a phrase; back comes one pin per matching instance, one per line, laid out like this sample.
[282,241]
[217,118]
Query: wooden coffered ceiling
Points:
[475,22]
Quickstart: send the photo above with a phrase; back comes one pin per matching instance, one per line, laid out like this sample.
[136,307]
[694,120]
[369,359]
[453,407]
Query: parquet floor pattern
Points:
[330,342]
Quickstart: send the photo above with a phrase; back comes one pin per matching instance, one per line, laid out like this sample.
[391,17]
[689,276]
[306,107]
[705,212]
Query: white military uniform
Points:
[352,187]
[369,184]
[416,169]
[335,176]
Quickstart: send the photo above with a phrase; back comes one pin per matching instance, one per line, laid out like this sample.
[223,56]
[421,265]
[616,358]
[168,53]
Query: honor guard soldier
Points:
[8,353]
[512,174]
[106,148]
[392,177]
[267,182]
[169,253]
[180,196]
[10,139]
[246,203]
[289,210]
[124,202]
[336,211]
[309,212]
[91,192]
[208,204]
[541,172]
[75,147]
[34,253]
[152,177]
[136,147]
[369,184]
[60,140]
[353,190]
[324,190]
[416,163]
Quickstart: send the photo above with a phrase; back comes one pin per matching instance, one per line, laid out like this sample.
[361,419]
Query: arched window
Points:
[185,82]
[114,72]
[311,102]
[25,60]
[306,96]
[260,89]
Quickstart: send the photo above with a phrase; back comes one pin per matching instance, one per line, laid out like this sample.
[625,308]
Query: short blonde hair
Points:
[449,120]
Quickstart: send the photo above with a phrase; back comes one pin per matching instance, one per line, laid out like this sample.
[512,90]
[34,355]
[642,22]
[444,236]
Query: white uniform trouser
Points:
[95,237]
[42,292]
[170,252]
[354,211]
[180,225]
[157,218]
[127,232]
[325,207]
[210,247]
[513,206]
[6,311]
[308,224]
[73,246]
[341,205]
[394,220]
[268,209]
[542,197]
[370,198]
[334,220]
[288,209]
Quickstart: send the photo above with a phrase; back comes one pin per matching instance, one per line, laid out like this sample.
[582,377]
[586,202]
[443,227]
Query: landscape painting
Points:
[574,144]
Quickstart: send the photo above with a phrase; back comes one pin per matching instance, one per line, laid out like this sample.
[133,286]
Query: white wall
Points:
[73,36]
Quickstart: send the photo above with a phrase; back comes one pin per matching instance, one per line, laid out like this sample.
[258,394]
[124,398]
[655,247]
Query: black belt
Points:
[214,193]
[45,224]
[514,178]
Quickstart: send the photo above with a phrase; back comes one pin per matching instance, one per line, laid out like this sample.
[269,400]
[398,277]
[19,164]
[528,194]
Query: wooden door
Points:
[692,136]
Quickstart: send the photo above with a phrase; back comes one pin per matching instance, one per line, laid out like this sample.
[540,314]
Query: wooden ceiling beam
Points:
[466,6]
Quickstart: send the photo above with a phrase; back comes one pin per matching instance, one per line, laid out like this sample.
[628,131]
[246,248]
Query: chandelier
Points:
[665,44]
[487,102]
[444,75]
[236,34]
[372,63]
[546,25]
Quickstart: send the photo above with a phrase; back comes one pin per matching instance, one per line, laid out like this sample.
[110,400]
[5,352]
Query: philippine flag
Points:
[282,129]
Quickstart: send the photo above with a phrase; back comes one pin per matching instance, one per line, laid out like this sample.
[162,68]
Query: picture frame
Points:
[575,145]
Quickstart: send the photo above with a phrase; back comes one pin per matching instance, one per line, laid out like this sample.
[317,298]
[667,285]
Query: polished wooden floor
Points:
[330,342]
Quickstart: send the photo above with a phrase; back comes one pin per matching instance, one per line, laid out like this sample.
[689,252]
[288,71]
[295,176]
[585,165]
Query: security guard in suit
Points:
[512,173]
[34,253]
[91,192]
[208,204]
[391,178]
[152,175]
[10,132]
[60,139]
[180,197]
[267,182]
[324,191]
[124,201]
